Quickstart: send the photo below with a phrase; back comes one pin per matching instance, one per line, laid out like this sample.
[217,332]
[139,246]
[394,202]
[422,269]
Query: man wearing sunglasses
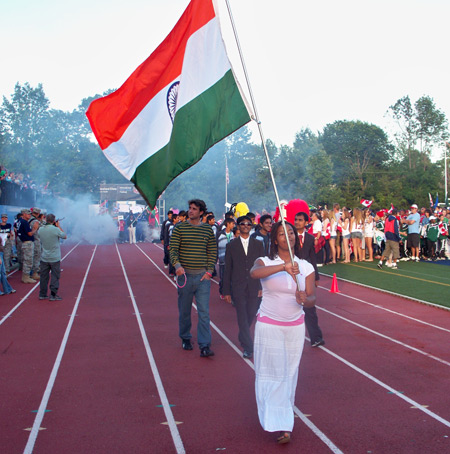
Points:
[238,286]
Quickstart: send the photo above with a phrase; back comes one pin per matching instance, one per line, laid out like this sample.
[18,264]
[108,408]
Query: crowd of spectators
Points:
[361,234]
[24,181]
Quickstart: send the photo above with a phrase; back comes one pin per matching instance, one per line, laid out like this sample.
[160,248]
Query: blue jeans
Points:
[200,290]
[4,282]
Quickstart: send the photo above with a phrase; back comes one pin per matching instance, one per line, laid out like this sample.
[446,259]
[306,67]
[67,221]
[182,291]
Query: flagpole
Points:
[258,122]
[445,173]
[226,180]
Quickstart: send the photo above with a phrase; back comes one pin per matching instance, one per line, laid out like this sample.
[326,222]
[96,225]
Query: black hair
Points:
[229,214]
[200,204]
[209,217]
[169,212]
[304,215]
[182,213]
[264,217]
[243,218]
[273,250]
[251,215]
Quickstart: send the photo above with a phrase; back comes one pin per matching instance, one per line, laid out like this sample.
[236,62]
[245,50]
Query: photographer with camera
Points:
[50,235]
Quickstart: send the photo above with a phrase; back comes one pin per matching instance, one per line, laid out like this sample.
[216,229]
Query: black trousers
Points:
[312,324]
[54,270]
[247,306]
[166,255]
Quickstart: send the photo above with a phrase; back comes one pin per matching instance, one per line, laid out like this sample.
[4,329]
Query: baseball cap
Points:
[26,211]
[4,215]
[414,206]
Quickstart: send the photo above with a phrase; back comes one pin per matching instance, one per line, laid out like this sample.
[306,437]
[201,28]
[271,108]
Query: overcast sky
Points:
[310,63]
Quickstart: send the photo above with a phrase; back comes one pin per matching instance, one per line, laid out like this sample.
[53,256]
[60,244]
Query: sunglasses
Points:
[245,223]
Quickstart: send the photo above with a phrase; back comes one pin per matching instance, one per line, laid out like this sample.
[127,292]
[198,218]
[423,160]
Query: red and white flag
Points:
[366,203]
[176,105]
[392,207]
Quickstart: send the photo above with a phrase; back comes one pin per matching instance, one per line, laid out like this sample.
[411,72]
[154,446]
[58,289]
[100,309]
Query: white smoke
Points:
[80,225]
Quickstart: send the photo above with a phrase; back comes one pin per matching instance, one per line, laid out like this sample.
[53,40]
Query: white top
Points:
[317,226]
[356,227]
[368,227]
[333,231]
[345,231]
[278,301]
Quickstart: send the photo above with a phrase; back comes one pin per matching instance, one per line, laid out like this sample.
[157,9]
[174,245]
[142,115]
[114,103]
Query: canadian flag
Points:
[366,203]
[392,207]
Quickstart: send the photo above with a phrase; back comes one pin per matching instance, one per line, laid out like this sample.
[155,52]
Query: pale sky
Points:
[310,63]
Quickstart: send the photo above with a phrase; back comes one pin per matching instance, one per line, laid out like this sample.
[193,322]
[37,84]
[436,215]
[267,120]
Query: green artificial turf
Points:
[425,281]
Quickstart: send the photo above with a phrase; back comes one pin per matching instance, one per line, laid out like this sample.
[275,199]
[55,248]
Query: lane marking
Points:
[390,310]
[428,355]
[399,394]
[400,275]
[333,448]
[159,385]
[29,293]
[45,398]
[411,298]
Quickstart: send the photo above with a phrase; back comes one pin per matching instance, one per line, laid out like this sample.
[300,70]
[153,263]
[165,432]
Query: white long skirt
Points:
[277,353]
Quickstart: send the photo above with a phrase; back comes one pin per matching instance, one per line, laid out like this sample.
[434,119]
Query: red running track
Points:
[107,380]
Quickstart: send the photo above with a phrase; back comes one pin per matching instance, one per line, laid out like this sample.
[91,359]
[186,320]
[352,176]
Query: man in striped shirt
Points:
[193,253]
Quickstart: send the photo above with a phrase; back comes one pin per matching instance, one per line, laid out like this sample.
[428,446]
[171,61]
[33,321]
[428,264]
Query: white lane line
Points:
[29,293]
[438,306]
[380,383]
[389,388]
[333,448]
[390,310]
[386,337]
[45,398]
[162,394]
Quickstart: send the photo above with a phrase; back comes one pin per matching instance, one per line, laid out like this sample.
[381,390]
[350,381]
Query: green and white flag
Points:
[176,105]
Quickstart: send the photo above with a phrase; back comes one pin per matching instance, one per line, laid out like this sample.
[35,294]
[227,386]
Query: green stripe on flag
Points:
[216,113]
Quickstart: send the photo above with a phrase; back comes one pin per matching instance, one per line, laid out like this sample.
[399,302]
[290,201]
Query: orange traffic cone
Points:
[334,285]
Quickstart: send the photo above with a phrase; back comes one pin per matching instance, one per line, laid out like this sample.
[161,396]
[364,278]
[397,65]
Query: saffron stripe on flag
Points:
[111,115]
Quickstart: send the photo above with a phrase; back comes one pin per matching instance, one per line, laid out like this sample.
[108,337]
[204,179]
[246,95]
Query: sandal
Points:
[284,437]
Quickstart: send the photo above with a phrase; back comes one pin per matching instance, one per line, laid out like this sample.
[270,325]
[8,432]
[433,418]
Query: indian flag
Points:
[176,105]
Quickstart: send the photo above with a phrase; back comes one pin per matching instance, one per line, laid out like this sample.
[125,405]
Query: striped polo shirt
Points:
[193,247]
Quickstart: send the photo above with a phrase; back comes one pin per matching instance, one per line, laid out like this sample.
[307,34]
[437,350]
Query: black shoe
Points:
[43,297]
[247,354]
[205,352]
[318,343]
[380,265]
[55,298]
[187,344]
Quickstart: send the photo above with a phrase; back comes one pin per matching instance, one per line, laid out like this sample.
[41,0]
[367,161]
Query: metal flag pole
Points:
[226,180]
[258,122]
[447,145]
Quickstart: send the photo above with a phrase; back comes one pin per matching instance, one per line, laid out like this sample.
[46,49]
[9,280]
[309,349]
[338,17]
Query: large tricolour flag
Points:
[177,104]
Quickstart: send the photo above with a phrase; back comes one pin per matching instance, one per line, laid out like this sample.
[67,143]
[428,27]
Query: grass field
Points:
[427,281]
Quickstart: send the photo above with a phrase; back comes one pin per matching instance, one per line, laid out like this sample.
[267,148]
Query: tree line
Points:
[345,162]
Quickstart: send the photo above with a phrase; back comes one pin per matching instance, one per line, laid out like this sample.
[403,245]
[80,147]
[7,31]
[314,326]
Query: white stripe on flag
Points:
[205,62]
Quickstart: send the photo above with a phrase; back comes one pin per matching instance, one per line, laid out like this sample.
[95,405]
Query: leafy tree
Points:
[403,112]
[355,148]
[432,126]
[424,125]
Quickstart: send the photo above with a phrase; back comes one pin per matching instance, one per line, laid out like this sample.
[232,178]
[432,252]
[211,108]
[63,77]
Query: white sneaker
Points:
[417,259]
[389,265]
[166,266]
